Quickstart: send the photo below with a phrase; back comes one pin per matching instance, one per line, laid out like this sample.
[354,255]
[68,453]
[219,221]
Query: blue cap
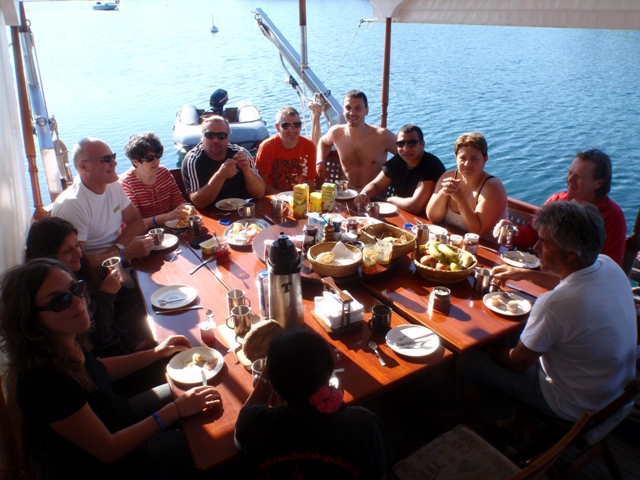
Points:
[224,221]
[408,226]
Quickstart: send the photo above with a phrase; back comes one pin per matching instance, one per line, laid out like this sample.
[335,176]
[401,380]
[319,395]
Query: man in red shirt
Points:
[286,159]
[588,181]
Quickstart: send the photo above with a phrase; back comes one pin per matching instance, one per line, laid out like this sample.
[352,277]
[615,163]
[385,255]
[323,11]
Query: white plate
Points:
[243,241]
[168,242]
[230,203]
[174,223]
[173,292]
[387,208]
[285,196]
[180,370]
[348,195]
[424,345]
[520,259]
[364,221]
[524,306]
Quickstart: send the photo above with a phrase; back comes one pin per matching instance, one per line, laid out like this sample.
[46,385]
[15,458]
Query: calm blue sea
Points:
[538,95]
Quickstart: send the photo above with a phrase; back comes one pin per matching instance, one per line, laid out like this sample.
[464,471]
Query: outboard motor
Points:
[218,100]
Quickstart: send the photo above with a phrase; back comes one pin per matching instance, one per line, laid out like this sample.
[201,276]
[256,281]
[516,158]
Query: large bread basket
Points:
[370,233]
[332,270]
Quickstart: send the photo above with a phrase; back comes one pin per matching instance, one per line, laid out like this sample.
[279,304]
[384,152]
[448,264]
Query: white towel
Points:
[329,309]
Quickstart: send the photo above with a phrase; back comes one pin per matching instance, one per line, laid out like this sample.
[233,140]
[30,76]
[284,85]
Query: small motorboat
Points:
[248,128]
[106,6]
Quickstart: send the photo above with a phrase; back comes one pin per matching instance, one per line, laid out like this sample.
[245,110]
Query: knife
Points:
[176,310]
[204,377]
[418,220]
[518,289]
[201,264]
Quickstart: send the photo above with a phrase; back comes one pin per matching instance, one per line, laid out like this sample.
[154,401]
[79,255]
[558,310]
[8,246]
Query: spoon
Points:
[209,314]
[220,214]
[164,302]
[177,252]
[373,346]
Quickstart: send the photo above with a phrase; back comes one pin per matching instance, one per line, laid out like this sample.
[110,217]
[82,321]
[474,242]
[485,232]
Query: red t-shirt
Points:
[283,168]
[614,224]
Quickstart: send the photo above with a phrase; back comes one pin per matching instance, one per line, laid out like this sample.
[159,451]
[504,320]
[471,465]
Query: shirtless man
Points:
[362,148]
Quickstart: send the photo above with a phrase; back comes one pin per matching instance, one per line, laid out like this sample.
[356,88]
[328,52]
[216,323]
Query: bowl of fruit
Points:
[444,263]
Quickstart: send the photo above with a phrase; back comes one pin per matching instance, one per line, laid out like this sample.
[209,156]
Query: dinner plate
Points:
[524,306]
[516,258]
[348,195]
[387,208]
[427,341]
[285,196]
[181,369]
[168,242]
[230,203]
[175,224]
[173,292]
[364,221]
[237,240]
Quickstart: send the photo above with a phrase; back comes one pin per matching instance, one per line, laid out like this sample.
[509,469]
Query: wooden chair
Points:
[334,168]
[461,453]
[177,176]
[520,213]
[591,440]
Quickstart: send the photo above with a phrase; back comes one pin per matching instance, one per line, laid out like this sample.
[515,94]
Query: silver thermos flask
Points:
[285,290]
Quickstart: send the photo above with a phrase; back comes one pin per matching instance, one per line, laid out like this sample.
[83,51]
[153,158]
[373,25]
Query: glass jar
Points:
[222,250]
[470,243]
[385,250]
[309,236]
[369,258]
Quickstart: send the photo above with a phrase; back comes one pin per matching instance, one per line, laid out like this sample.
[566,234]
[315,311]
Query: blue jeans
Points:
[481,370]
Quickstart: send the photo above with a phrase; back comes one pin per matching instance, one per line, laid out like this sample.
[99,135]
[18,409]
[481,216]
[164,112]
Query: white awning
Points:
[599,14]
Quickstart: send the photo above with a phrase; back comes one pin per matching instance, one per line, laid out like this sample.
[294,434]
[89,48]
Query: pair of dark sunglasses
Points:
[411,143]
[150,158]
[63,301]
[105,159]
[287,125]
[212,135]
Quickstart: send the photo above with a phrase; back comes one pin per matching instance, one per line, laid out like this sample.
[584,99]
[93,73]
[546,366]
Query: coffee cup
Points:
[341,187]
[247,210]
[482,281]
[373,209]
[115,264]
[237,297]
[278,208]
[507,232]
[157,234]
[240,320]
[257,367]
[195,224]
[380,321]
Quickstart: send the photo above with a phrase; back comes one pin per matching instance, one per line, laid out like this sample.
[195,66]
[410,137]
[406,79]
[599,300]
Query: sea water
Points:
[537,94]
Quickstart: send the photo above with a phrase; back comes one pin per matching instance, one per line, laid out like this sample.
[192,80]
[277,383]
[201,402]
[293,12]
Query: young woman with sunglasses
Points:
[74,425]
[149,185]
[55,237]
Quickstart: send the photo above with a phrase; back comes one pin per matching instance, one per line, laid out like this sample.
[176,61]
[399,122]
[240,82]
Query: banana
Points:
[436,253]
[452,256]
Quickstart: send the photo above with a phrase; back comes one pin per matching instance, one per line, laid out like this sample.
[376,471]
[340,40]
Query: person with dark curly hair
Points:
[149,185]
[313,435]
[75,425]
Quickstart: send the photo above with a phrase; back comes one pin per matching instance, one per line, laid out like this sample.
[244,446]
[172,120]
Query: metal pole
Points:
[385,72]
[302,6]
[27,127]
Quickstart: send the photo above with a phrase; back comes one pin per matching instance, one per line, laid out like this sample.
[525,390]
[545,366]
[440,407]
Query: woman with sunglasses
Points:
[149,185]
[55,237]
[469,197]
[74,425]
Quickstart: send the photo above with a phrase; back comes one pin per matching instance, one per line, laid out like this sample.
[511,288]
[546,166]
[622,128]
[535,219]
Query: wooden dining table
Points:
[210,434]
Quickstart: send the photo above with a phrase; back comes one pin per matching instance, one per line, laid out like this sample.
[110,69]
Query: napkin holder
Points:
[344,299]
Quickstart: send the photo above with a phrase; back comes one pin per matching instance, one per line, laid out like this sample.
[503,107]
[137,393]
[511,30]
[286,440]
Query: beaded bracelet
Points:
[154,221]
[159,420]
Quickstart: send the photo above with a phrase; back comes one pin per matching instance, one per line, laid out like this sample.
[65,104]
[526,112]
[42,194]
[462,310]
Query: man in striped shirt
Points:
[215,169]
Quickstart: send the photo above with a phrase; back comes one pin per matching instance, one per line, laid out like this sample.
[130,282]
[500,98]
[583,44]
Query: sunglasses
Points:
[287,125]
[105,159]
[212,135]
[63,301]
[411,143]
[150,158]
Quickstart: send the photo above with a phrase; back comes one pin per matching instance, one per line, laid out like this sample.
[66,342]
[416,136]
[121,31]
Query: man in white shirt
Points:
[98,207]
[577,350]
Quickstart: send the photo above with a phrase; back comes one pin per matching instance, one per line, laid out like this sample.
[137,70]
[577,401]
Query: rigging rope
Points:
[346,51]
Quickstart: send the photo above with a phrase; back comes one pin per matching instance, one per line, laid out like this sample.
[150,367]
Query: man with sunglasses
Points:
[362,148]
[286,159]
[588,181]
[413,173]
[216,169]
[97,207]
